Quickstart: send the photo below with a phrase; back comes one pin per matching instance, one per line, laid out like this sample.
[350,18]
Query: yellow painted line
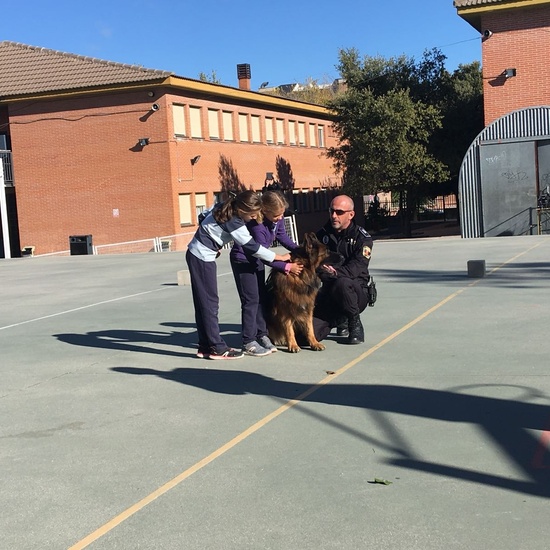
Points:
[123,516]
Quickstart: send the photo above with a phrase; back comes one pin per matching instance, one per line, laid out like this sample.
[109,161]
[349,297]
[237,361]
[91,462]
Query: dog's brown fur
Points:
[292,297]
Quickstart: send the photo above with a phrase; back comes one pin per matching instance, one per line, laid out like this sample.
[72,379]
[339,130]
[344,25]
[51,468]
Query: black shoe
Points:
[356,331]
[342,327]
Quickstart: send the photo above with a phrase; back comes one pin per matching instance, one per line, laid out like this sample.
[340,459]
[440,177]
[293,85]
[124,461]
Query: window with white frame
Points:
[213,124]
[184,200]
[292,132]
[255,126]
[178,115]
[312,136]
[269,130]
[302,133]
[321,136]
[280,128]
[195,122]
[243,127]
[200,204]
[227,124]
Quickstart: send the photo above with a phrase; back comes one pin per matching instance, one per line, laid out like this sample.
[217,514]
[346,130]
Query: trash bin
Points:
[80,245]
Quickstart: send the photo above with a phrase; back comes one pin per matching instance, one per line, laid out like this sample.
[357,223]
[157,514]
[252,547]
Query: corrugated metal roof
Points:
[29,70]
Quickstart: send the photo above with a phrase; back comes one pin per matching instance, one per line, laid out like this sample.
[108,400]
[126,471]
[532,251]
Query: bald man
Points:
[344,293]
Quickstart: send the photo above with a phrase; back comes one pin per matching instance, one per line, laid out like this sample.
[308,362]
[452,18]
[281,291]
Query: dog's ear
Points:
[309,240]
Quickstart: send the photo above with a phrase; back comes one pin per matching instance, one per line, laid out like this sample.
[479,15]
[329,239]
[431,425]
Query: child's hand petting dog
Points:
[296,269]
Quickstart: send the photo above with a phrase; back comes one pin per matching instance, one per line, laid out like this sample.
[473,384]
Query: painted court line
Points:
[80,308]
[126,514]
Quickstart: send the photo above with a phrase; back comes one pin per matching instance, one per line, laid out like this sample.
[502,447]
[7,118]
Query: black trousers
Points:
[341,297]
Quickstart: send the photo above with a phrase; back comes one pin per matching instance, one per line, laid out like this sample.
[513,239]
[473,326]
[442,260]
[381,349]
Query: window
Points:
[312,135]
[195,121]
[200,204]
[292,132]
[269,129]
[185,209]
[321,136]
[227,123]
[255,124]
[243,127]
[178,114]
[213,124]
[302,133]
[280,128]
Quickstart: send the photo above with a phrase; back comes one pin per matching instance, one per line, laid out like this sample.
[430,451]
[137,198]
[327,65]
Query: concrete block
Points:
[476,268]
[184,278]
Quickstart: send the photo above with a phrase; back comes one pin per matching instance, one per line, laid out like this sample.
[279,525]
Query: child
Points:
[225,223]
[249,272]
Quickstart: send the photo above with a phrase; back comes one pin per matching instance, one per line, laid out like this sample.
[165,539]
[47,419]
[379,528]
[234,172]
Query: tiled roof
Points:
[472,3]
[29,70]
[466,3]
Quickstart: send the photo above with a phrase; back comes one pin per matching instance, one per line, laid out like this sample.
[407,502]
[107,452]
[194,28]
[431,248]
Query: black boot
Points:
[342,327]
[356,332]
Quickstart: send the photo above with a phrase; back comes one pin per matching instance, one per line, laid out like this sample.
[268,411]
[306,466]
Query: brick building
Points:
[506,170]
[125,153]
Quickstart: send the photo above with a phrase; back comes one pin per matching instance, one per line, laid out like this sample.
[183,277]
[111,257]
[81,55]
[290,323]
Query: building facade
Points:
[123,153]
[504,176]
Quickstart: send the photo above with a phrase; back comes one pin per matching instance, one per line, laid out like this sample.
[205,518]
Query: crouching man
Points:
[344,294]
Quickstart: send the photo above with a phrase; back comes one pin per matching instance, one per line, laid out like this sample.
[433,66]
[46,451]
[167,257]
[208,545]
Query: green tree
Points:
[384,128]
[212,77]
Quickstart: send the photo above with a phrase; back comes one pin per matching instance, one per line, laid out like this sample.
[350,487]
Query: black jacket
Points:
[354,245]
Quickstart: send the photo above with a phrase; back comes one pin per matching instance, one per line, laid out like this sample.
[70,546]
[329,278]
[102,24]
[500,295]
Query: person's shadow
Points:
[144,341]
[508,423]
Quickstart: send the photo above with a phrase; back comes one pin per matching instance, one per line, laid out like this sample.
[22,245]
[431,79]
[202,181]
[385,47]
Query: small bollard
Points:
[476,268]
[184,278]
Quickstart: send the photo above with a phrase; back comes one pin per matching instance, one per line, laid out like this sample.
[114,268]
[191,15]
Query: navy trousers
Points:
[204,287]
[251,287]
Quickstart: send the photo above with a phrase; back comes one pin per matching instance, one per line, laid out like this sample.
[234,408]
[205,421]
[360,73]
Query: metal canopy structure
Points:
[504,171]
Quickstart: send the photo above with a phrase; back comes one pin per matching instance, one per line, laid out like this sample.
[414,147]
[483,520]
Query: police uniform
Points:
[344,294]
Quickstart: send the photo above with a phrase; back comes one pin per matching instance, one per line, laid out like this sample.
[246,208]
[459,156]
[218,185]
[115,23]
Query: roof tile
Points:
[29,69]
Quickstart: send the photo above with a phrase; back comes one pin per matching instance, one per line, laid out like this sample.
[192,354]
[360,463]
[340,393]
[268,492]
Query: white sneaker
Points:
[254,349]
[266,343]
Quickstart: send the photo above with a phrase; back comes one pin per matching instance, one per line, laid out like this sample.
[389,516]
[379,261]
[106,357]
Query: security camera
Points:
[155,107]
[487,33]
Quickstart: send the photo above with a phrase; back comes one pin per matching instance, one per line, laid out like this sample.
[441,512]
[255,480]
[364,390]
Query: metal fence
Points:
[167,243]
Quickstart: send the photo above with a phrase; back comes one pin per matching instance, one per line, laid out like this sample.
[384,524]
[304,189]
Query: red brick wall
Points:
[520,40]
[78,169]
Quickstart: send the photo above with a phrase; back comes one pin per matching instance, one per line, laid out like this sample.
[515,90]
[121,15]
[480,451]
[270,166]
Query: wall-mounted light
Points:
[194,160]
[143,142]
[509,73]
[487,34]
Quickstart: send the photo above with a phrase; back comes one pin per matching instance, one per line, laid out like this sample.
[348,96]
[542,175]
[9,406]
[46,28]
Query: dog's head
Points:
[312,253]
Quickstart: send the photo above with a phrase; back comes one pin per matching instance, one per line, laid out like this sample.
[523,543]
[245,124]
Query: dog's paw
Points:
[294,349]
[318,347]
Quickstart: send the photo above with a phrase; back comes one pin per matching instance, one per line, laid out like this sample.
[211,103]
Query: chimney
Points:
[243,74]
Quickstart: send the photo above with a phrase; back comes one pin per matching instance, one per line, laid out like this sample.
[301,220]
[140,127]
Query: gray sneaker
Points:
[254,349]
[266,343]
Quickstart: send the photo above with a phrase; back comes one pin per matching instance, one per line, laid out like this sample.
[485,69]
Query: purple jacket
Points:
[265,233]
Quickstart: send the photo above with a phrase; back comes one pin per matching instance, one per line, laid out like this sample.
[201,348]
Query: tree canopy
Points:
[404,126]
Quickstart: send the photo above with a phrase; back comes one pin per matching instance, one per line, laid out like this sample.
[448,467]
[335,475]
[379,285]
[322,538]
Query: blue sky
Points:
[283,41]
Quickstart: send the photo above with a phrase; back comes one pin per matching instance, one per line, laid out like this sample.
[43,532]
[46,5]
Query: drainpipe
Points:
[4,213]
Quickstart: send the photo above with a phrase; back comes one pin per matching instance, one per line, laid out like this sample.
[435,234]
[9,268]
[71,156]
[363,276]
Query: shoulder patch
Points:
[363,231]
[367,252]
[325,239]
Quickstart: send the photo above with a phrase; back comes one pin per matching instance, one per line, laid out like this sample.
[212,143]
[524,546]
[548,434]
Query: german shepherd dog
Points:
[291,298]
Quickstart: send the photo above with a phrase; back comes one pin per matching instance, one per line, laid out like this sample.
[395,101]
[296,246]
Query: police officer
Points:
[344,294]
